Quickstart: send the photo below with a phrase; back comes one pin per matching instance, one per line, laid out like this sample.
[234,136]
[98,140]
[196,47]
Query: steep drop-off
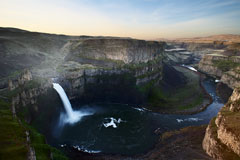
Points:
[90,68]
[226,68]
[222,135]
[77,60]
[109,61]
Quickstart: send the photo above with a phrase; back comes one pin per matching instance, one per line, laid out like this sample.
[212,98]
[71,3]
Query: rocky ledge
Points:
[77,62]
[95,62]
[225,68]
[222,138]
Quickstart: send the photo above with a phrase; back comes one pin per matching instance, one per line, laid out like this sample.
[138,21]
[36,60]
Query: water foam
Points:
[70,116]
[189,67]
[85,150]
[189,120]
[113,122]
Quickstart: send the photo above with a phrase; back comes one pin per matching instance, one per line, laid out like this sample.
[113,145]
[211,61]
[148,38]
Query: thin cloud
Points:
[146,19]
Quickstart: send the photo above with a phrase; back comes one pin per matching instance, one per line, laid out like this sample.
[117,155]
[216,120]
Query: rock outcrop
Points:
[225,68]
[102,61]
[24,77]
[115,49]
[87,67]
[75,61]
[222,138]
[77,78]
[223,91]
[206,65]
[178,56]
[232,77]
[23,90]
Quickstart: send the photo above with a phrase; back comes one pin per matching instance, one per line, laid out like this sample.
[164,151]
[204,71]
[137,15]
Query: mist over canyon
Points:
[86,97]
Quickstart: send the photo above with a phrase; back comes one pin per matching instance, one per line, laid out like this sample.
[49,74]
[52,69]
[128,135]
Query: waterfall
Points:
[71,116]
[64,98]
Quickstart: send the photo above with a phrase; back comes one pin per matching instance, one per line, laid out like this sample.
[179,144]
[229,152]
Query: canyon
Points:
[220,60]
[139,73]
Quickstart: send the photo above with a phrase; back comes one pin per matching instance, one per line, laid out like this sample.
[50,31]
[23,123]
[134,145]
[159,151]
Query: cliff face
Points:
[87,67]
[232,77]
[226,68]
[104,61]
[207,65]
[222,138]
[218,44]
[78,78]
[23,91]
[123,50]
[178,56]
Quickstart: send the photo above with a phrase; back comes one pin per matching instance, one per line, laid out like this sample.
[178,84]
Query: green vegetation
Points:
[13,138]
[12,135]
[154,93]
[194,103]
[134,66]
[185,97]
[149,73]
[28,85]
[225,65]
[42,149]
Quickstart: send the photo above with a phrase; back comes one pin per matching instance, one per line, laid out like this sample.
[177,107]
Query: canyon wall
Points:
[224,68]
[92,69]
[104,60]
[220,58]
[118,49]
[222,138]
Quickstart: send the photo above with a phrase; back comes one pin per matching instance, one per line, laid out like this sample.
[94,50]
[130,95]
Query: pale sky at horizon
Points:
[143,19]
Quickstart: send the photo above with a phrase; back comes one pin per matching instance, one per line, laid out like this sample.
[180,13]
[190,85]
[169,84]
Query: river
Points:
[123,129]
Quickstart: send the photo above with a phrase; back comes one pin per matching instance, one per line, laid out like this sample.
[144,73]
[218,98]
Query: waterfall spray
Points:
[71,116]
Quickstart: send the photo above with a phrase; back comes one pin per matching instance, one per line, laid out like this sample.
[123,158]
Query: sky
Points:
[142,19]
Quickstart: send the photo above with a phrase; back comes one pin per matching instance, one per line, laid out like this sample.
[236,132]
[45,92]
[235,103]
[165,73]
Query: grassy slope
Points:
[43,151]
[12,135]
[181,98]
[225,65]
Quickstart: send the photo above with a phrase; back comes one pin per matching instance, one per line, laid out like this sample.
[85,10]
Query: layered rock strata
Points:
[224,68]
[222,138]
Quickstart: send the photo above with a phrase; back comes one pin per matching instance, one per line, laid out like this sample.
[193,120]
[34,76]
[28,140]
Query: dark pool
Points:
[123,129]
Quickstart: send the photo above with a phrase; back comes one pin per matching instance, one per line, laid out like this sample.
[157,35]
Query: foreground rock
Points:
[222,138]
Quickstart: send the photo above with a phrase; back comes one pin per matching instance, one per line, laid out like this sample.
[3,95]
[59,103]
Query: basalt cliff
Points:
[112,70]
[222,137]
[219,58]
[81,64]
[90,69]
